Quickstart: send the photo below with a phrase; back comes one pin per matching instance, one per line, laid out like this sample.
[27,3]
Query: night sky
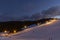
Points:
[15,9]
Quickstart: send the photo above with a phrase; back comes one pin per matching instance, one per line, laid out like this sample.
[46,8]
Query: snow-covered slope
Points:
[45,32]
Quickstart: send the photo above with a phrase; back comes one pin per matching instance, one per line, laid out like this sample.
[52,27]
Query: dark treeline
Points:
[18,25]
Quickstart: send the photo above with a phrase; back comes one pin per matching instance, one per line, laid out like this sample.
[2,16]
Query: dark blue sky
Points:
[10,9]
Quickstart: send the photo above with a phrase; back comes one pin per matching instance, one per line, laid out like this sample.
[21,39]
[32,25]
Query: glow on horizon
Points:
[57,16]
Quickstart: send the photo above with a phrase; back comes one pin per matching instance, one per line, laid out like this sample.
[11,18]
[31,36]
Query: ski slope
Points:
[50,30]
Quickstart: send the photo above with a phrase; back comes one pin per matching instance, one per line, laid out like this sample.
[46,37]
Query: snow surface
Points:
[45,32]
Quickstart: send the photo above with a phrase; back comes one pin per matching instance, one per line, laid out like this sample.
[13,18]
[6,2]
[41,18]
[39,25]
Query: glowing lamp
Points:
[5,31]
[25,26]
[14,31]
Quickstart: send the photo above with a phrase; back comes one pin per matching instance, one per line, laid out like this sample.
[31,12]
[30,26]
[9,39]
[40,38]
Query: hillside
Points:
[19,25]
